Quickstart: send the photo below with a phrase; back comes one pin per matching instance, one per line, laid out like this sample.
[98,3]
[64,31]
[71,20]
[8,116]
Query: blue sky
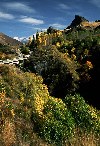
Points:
[22,18]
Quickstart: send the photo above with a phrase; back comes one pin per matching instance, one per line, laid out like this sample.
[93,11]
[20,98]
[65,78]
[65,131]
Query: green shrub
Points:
[24,50]
[58,123]
[85,118]
[7,49]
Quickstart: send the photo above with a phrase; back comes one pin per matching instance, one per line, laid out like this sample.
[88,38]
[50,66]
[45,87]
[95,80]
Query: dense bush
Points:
[21,95]
[57,69]
[58,124]
[24,50]
[7,49]
[60,119]
[85,117]
[27,108]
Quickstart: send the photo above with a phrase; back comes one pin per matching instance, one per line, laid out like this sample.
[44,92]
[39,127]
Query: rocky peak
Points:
[77,21]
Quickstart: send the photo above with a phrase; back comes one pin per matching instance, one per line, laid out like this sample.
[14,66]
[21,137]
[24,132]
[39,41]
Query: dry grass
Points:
[84,139]
[90,24]
[11,133]
[8,133]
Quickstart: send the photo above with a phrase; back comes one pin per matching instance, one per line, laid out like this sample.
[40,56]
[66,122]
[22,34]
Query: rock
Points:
[77,21]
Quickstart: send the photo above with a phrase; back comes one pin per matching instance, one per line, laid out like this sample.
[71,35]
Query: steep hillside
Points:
[29,116]
[6,40]
[9,47]
[69,59]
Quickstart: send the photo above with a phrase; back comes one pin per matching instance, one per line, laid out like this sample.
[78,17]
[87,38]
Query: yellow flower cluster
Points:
[12,112]
[2,96]
[21,98]
[39,104]
[93,113]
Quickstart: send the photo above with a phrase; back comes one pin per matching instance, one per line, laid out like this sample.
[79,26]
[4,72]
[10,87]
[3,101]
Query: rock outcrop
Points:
[77,21]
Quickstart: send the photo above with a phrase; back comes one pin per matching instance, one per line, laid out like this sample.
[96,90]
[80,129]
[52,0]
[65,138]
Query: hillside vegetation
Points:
[52,98]
[8,47]
[28,111]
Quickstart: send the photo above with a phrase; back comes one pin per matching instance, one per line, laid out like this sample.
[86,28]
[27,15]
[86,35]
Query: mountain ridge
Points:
[6,40]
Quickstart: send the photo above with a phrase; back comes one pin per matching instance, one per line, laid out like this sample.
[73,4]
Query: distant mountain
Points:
[6,40]
[22,39]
